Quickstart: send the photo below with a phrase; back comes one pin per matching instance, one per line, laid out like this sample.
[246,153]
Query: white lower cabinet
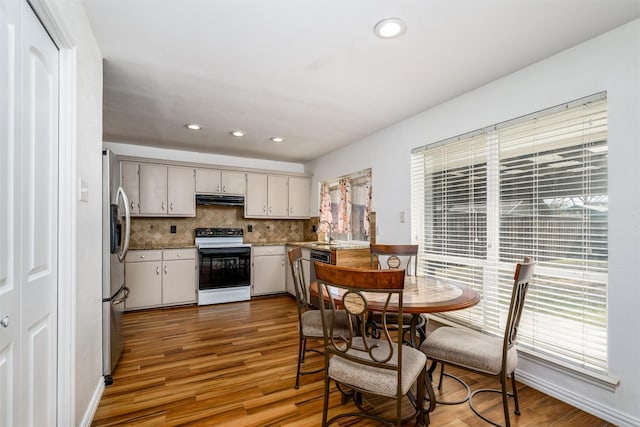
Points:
[268,268]
[157,278]
[179,276]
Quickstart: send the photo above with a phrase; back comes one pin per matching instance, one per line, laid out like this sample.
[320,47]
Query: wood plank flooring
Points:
[234,365]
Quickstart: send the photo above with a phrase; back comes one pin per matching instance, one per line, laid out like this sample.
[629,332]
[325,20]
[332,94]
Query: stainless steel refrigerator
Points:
[115,243]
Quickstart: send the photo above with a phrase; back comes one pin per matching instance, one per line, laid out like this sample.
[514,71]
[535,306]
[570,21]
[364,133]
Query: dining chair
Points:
[483,353]
[309,319]
[358,362]
[395,257]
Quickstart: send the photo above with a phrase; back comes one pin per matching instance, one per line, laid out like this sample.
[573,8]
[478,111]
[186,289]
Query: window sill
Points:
[602,381]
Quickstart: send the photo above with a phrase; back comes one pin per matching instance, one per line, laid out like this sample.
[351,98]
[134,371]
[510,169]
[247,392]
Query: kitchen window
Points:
[346,204]
[533,186]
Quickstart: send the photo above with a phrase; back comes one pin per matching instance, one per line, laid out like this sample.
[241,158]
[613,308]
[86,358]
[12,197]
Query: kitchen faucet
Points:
[324,221]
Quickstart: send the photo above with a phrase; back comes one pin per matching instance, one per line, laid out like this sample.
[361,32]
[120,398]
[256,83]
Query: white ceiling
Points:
[312,71]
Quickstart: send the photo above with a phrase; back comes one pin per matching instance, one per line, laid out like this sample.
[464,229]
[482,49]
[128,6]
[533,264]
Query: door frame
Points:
[66,306]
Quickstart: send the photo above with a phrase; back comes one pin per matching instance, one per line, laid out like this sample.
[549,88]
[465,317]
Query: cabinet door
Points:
[181,191]
[208,181]
[268,274]
[299,191]
[153,189]
[179,281]
[129,180]
[278,195]
[145,284]
[234,182]
[255,203]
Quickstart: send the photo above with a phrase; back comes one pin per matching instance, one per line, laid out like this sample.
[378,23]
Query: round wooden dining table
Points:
[422,295]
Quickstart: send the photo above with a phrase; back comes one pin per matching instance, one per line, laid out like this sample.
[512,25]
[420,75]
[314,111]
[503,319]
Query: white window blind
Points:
[534,186]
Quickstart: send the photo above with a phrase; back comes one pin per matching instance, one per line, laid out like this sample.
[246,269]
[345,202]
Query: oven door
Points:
[224,267]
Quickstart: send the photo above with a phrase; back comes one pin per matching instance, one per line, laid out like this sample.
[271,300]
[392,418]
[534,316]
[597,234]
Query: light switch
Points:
[83,191]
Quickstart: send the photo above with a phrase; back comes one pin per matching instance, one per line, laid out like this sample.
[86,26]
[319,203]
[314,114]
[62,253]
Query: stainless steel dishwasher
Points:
[319,256]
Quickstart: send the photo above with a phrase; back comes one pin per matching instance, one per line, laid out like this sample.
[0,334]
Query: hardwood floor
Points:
[234,365]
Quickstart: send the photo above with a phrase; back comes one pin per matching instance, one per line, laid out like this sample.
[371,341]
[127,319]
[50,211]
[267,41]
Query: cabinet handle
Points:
[264,209]
[132,205]
[157,270]
[224,188]
[283,262]
[165,269]
[179,255]
[269,209]
[162,205]
[171,206]
[291,210]
[141,256]
[218,188]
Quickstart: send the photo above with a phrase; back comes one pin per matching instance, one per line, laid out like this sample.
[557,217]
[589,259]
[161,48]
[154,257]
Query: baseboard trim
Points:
[87,419]
[595,408]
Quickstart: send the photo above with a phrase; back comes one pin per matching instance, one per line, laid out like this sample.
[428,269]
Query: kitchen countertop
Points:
[160,246]
[322,246]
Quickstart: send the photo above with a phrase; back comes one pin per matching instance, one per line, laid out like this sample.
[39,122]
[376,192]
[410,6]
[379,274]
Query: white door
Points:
[28,227]
[10,75]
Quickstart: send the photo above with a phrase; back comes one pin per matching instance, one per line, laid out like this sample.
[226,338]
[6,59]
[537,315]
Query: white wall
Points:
[80,283]
[610,62]
[207,158]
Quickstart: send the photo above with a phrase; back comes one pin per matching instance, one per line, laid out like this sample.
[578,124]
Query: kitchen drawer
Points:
[269,250]
[139,256]
[173,254]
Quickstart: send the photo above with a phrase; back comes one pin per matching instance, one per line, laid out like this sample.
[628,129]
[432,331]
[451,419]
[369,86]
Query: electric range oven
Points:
[224,265]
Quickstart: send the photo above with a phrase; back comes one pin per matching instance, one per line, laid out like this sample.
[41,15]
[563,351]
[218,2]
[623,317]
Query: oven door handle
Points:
[224,251]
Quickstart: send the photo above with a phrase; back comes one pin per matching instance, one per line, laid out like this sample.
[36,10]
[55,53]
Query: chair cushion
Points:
[311,323]
[379,381]
[469,349]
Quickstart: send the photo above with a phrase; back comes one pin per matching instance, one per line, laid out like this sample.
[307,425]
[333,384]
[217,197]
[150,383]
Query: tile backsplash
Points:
[147,231]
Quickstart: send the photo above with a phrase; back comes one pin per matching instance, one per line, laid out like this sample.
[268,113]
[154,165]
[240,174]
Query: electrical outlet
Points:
[173,229]
[249,228]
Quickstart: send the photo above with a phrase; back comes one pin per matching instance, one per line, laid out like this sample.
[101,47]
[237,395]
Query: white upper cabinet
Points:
[181,195]
[163,190]
[130,182]
[277,196]
[234,182]
[153,189]
[215,181]
[256,203]
[208,181]
[299,196]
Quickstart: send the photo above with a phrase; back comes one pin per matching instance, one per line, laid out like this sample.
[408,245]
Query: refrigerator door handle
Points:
[127,216]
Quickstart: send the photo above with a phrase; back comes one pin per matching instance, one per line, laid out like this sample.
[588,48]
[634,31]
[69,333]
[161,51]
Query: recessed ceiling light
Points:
[276,139]
[193,126]
[390,28]
[237,133]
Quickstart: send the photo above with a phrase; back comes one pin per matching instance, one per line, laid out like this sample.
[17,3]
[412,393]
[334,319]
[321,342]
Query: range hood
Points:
[219,199]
